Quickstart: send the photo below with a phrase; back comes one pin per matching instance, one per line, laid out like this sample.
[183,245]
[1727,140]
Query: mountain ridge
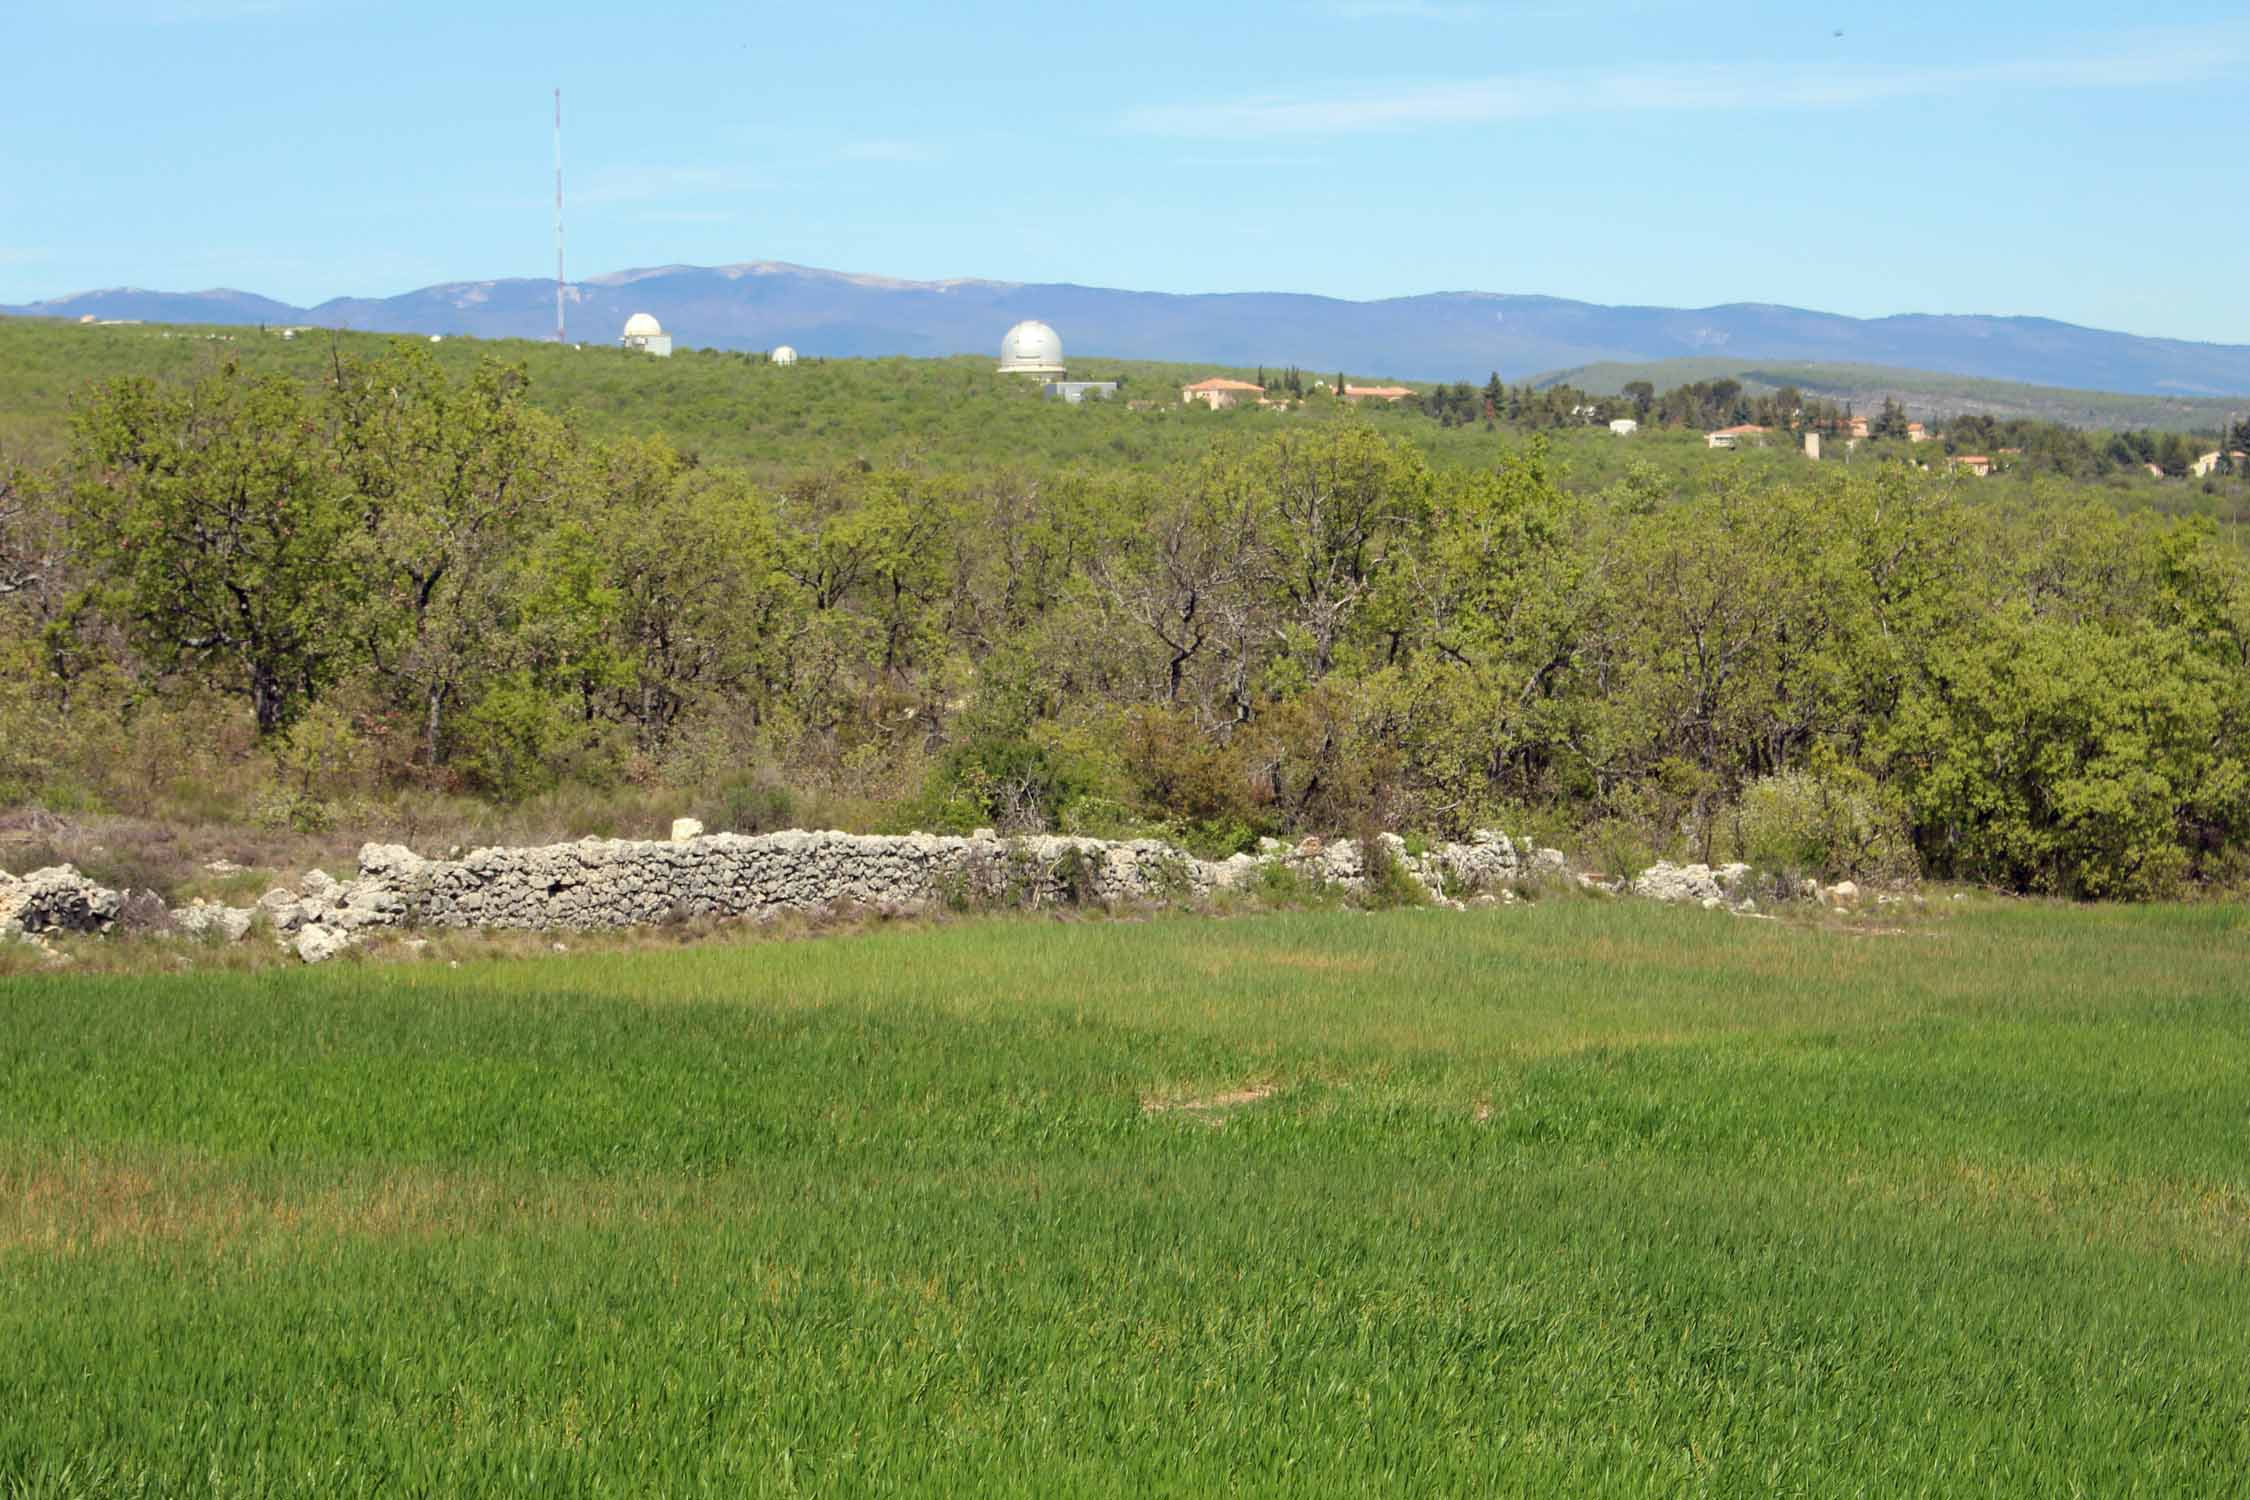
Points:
[1453,335]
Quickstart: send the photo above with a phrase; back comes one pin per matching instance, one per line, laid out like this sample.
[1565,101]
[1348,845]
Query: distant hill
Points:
[219,305]
[1440,336]
[1922,392]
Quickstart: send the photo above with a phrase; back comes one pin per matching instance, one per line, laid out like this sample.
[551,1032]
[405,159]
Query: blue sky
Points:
[2077,161]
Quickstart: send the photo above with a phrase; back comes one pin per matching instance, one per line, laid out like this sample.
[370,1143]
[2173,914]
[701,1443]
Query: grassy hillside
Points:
[1580,1199]
[1923,394]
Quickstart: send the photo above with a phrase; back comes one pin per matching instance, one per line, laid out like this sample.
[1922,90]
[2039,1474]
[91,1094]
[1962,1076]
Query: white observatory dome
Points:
[784,355]
[642,326]
[1031,348]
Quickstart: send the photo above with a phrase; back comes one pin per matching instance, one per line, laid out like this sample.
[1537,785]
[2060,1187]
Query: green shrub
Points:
[749,804]
[1832,825]
[1388,883]
[2068,757]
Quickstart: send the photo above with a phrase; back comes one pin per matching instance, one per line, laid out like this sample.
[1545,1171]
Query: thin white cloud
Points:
[2137,62]
[891,151]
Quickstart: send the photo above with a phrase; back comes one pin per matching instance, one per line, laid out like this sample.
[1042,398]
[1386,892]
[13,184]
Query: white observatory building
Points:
[783,355]
[644,333]
[1032,348]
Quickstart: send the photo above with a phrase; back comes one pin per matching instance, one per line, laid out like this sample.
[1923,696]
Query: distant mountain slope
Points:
[1441,336]
[220,305]
[1923,393]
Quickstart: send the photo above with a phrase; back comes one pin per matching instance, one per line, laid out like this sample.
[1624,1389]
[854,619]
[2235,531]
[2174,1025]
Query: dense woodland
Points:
[389,582]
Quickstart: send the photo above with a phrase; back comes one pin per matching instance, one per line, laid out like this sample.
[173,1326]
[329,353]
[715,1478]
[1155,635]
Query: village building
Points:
[783,355]
[1377,392]
[1624,427]
[2208,464]
[1975,463]
[1917,433]
[1218,392]
[1735,437]
[1073,392]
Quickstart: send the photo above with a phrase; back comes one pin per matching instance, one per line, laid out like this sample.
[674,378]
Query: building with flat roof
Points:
[1075,391]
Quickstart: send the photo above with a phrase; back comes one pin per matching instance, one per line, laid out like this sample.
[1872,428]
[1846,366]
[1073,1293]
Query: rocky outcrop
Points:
[56,899]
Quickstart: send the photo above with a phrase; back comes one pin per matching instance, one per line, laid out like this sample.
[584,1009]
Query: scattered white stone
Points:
[684,829]
[317,944]
[1698,885]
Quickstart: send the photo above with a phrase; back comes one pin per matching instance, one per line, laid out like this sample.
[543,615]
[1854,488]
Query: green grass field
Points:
[1579,1199]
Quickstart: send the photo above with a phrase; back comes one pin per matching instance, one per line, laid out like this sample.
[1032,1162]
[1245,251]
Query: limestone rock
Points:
[388,862]
[199,918]
[282,909]
[684,829]
[1665,881]
[56,899]
[317,944]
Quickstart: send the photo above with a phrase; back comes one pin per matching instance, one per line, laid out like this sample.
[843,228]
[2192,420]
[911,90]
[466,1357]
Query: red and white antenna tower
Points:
[558,220]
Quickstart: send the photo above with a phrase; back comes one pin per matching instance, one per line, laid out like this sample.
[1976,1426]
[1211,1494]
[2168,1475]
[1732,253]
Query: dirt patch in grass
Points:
[1208,1109]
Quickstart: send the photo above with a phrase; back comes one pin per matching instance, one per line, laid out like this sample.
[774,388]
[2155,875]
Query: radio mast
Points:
[558,220]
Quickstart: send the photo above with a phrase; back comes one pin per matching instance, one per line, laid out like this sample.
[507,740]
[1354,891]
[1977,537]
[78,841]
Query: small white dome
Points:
[1031,348]
[642,326]
[784,355]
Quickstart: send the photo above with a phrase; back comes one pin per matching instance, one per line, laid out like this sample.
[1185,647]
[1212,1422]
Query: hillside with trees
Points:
[373,586]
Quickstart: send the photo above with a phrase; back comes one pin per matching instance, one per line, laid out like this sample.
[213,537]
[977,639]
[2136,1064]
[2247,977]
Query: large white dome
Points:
[642,326]
[1031,348]
[784,355]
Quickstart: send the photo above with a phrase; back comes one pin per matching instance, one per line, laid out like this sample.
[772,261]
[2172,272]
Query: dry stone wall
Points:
[608,883]
[630,883]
